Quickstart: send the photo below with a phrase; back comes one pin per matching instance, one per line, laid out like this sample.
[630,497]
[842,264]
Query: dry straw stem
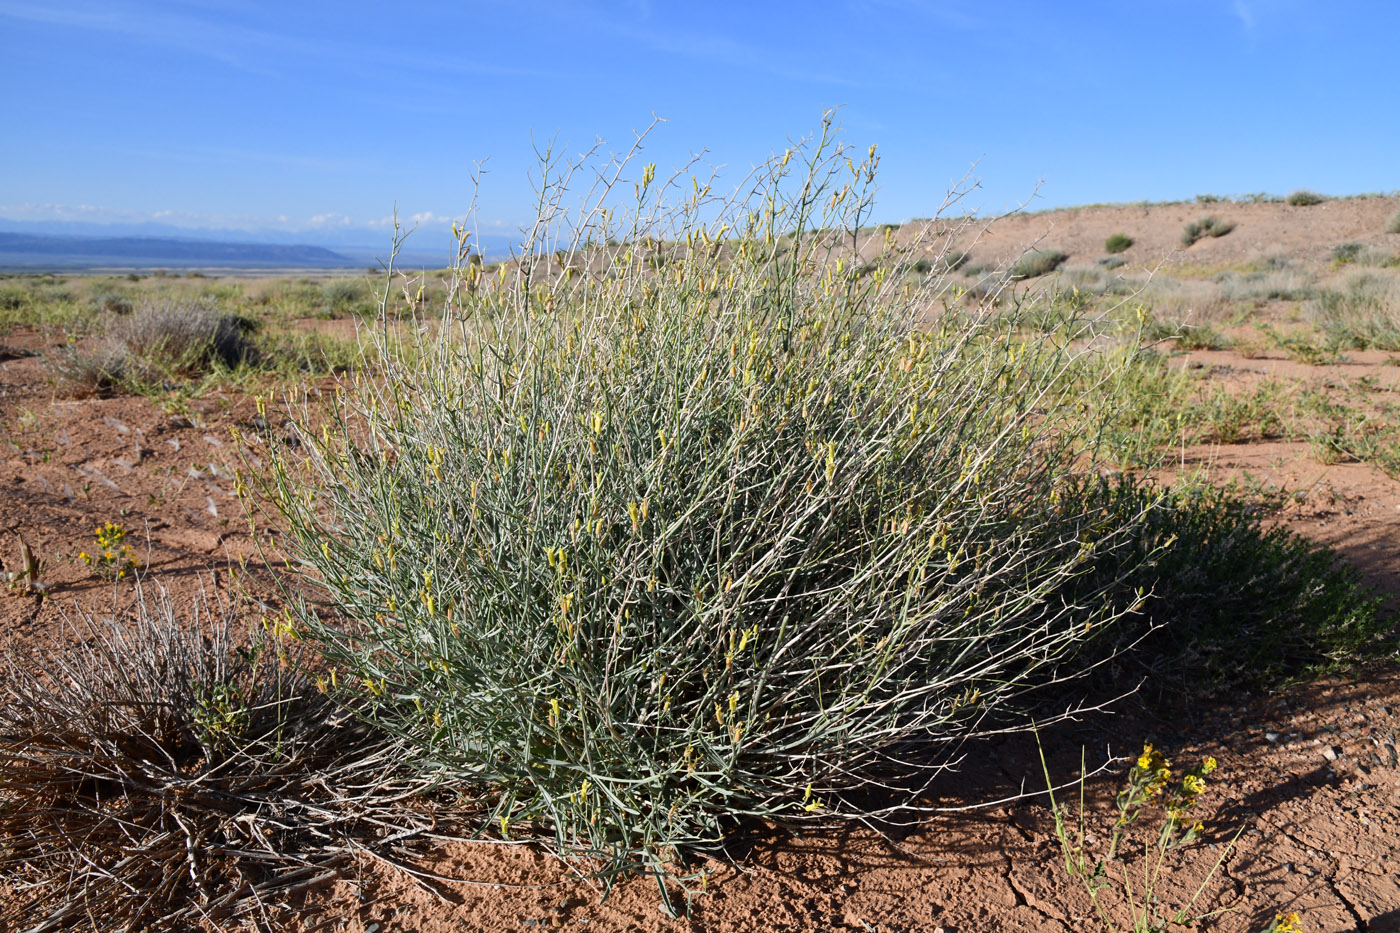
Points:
[741,516]
[159,775]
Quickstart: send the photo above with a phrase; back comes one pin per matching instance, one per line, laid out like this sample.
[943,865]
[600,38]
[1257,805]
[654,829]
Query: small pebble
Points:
[1329,753]
[1271,736]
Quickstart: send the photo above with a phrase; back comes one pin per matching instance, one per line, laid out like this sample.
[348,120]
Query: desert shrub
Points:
[160,775]
[633,557]
[347,296]
[1305,198]
[1267,281]
[627,557]
[1117,243]
[1208,199]
[109,296]
[1345,253]
[1206,226]
[183,337]
[159,341]
[945,259]
[300,297]
[1111,262]
[1036,263]
[1394,225]
[1235,602]
[14,297]
[1365,314]
[80,374]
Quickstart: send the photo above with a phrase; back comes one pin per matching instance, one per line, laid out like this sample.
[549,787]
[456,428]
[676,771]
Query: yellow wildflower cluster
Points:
[113,559]
[1151,778]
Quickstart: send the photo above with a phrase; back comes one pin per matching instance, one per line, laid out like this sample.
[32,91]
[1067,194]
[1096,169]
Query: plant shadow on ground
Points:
[1254,800]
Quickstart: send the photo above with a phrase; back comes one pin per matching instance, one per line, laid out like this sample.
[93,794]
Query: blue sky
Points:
[309,116]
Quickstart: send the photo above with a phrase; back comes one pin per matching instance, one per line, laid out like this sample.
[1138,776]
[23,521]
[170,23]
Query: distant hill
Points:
[35,251]
[431,247]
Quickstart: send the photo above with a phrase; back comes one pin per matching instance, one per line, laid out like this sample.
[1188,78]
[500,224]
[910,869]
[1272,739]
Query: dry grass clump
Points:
[159,341]
[185,337]
[161,775]
[1363,314]
[1207,226]
[88,374]
[1037,263]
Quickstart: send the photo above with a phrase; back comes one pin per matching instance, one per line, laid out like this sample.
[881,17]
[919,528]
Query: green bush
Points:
[633,557]
[1236,603]
[347,296]
[1117,243]
[628,556]
[1206,226]
[1305,198]
[1346,253]
[1036,263]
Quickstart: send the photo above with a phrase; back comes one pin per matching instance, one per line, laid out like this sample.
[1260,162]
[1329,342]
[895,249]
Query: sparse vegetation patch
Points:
[1037,263]
[1207,226]
[1305,198]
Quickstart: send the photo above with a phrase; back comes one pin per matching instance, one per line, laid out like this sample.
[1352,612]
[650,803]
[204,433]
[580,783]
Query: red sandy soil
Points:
[1308,778]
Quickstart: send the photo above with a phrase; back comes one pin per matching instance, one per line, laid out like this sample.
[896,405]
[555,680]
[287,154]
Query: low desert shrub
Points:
[80,374]
[1117,243]
[1365,314]
[341,296]
[161,776]
[627,557]
[1235,602]
[1394,225]
[185,338]
[1346,253]
[1036,263]
[1305,198]
[1206,226]
[634,557]
[109,296]
[157,342]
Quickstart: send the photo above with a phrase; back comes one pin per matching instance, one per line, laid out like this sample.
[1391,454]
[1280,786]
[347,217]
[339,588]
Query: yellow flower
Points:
[1193,784]
[1287,923]
[1208,765]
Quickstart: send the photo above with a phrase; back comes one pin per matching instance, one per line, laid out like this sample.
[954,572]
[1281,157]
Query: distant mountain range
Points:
[74,245]
[27,251]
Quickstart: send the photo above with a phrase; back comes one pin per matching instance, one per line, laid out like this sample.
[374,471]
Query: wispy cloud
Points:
[192,220]
[1245,13]
[239,46]
[713,49]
